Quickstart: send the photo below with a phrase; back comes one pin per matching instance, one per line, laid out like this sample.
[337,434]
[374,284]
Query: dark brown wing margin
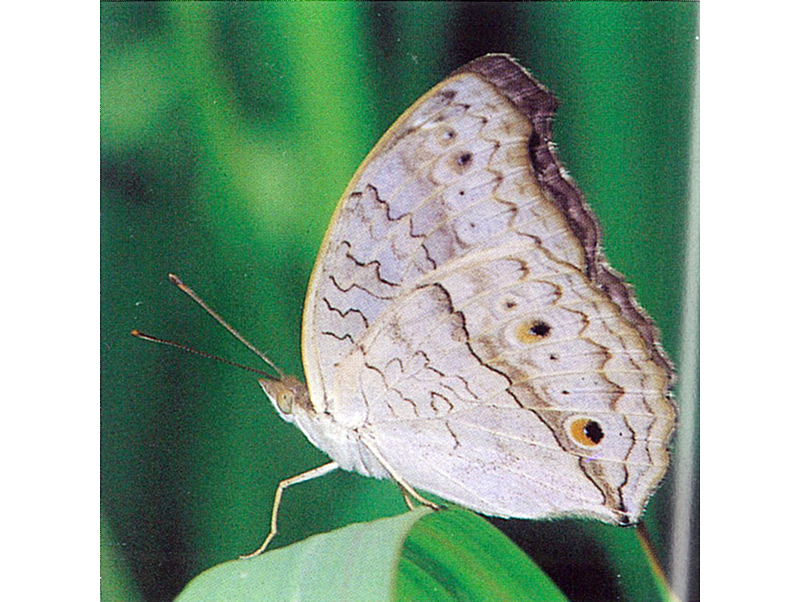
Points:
[539,105]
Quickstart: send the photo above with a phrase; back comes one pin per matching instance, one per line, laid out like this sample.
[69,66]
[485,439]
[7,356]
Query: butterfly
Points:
[463,333]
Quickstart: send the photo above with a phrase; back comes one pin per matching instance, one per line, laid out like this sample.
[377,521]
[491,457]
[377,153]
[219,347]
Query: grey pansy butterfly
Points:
[463,333]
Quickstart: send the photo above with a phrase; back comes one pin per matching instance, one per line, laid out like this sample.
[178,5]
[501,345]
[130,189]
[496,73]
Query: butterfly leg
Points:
[407,490]
[407,499]
[410,494]
[305,476]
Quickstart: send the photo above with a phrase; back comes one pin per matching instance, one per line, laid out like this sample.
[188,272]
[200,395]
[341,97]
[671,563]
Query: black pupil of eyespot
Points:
[540,329]
[593,431]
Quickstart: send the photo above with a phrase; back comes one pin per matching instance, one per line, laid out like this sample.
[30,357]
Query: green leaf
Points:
[449,555]
[456,555]
[357,562]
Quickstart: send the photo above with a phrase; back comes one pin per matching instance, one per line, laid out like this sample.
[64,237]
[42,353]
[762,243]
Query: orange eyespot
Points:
[533,331]
[586,432]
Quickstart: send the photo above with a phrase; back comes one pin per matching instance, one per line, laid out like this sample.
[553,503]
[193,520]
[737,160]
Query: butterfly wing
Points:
[462,321]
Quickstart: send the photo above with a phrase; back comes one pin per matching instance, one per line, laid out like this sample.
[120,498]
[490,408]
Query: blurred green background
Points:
[228,132]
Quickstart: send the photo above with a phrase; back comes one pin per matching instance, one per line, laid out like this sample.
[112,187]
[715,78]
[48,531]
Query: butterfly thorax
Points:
[291,398]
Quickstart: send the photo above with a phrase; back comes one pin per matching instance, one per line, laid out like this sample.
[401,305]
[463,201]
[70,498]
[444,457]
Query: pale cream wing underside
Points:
[461,319]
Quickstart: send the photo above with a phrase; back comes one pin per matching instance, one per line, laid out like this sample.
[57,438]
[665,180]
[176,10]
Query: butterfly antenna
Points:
[179,283]
[152,339]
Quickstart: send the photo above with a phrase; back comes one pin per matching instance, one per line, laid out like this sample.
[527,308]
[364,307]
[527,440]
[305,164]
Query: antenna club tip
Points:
[135,332]
[175,280]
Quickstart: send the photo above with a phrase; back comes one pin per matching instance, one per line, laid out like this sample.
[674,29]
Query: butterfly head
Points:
[286,394]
